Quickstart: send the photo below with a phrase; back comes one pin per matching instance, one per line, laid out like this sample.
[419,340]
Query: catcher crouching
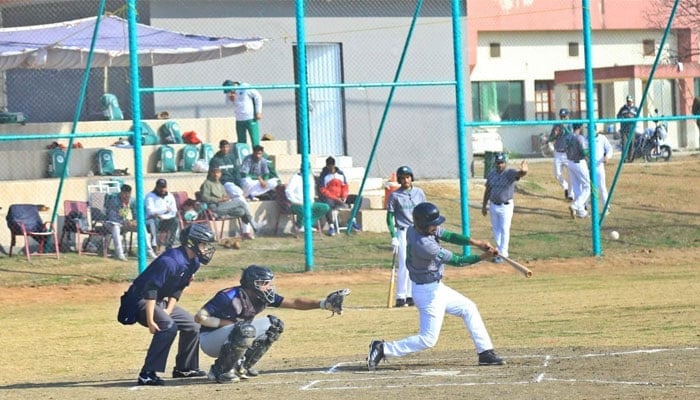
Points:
[230,332]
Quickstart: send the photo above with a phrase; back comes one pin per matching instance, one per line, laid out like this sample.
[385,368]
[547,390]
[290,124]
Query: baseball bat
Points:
[392,283]
[518,267]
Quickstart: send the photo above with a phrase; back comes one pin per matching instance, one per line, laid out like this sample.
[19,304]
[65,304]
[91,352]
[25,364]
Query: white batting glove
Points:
[395,245]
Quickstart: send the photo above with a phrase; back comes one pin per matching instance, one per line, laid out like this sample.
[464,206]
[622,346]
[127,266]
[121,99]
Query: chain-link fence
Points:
[356,49]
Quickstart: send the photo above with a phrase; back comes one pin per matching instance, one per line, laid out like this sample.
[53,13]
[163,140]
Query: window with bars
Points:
[544,100]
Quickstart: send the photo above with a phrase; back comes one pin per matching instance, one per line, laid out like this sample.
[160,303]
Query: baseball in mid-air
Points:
[614,235]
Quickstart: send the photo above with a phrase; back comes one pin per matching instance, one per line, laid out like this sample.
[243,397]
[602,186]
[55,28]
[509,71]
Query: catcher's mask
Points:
[256,277]
[425,215]
[199,238]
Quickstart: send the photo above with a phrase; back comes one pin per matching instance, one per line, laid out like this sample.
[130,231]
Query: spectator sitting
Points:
[213,193]
[333,190]
[119,208]
[295,195]
[161,213]
[236,193]
[257,180]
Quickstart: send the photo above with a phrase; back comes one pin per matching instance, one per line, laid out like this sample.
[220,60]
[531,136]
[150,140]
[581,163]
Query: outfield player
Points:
[231,333]
[398,218]
[576,152]
[603,151]
[158,289]
[426,263]
[498,199]
[558,135]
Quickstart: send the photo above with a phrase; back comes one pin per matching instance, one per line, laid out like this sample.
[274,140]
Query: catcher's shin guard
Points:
[262,344]
[239,340]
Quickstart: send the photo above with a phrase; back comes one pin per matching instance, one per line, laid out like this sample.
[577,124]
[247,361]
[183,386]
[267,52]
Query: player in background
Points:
[558,135]
[426,264]
[399,217]
[603,151]
[577,152]
[498,199]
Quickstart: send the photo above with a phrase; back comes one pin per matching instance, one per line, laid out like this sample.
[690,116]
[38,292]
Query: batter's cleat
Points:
[409,301]
[188,373]
[488,357]
[376,354]
[401,303]
[149,378]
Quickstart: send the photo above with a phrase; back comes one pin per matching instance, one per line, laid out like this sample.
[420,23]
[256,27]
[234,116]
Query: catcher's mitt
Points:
[334,301]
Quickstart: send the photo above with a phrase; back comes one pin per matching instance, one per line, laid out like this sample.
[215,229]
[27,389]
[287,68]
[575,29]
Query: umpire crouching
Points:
[155,293]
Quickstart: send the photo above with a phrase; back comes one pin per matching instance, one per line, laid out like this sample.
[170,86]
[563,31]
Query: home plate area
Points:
[649,367]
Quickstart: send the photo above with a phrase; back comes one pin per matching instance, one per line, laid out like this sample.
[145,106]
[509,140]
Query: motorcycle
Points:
[650,144]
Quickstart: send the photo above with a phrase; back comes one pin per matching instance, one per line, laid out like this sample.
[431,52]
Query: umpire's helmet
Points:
[195,234]
[228,82]
[256,276]
[425,215]
[404,171]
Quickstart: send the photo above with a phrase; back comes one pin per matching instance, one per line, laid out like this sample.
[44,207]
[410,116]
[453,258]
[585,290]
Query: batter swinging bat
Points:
[518,267]
[392,283]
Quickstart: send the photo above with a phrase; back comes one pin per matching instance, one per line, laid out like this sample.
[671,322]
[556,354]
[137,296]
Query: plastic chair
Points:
[97,203]
[180,199]
[91,230]
[24,220]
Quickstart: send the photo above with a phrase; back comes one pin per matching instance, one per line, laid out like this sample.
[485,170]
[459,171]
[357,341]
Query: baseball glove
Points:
[334,301]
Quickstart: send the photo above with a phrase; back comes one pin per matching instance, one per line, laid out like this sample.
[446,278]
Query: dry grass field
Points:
[624,325]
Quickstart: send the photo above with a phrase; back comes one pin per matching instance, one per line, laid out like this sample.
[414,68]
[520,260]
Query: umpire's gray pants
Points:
[188,345]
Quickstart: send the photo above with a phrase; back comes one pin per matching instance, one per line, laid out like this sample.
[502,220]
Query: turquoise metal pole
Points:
[461,118]
[370,160]
[595,226]
[79,109]
[641,104]
[304,134]
[138,153]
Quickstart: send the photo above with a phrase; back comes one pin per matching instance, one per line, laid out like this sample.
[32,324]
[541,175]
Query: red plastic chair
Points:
[75,207]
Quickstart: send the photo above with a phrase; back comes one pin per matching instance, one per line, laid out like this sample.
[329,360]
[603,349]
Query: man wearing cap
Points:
[226,161]
[498,199]
[629,110]
[247,108]
[161,213]
[558,135]
[577,153]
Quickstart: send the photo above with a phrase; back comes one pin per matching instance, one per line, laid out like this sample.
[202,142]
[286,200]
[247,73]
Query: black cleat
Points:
[488,357]
[149,378]
[376,354]
[409,301]
[401,303]
[188,373]
[566,194]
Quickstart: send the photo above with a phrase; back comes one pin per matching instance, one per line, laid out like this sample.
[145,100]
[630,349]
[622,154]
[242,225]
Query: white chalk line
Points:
[428,373]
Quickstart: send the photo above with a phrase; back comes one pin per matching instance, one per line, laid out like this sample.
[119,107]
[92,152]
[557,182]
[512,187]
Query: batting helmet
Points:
[195,234]
[256,276]
[425,215]
[228,82]
[563,112]
[500,158]
[404,171]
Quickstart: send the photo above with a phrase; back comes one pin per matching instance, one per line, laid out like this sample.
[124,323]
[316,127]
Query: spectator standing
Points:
[119,209]
[161,216]
[628,110]
[247,108]
[558,135]
[257,180]
[696,111]
[333,190]
[498,200]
